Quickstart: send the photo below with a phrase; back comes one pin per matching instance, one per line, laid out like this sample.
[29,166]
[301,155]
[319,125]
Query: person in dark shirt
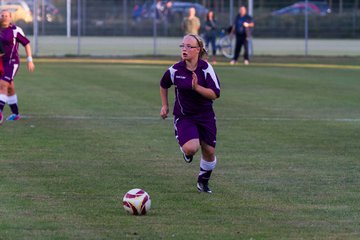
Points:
[196,87]
[210,34]
[242,28]
[168,12]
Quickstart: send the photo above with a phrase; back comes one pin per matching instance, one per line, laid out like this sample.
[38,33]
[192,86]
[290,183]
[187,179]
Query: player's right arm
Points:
[165,84]
[164,103]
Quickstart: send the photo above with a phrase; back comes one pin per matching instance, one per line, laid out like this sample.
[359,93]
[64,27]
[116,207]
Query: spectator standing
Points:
[242,29]
[137,13]
[159,10]
[168,11]
[210,34]
[168,18]
[191,23]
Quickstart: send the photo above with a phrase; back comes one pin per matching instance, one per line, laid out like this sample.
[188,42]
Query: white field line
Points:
[144,118]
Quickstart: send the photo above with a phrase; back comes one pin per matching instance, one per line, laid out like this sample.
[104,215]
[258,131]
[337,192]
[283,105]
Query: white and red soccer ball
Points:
[137,202]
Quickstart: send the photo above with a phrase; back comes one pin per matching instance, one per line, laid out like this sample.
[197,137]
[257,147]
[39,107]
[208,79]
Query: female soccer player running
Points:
[196,87]
[11,36]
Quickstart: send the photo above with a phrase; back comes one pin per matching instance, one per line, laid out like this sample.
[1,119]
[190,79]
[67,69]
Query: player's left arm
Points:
[29,60]
[203,91]
[23,40]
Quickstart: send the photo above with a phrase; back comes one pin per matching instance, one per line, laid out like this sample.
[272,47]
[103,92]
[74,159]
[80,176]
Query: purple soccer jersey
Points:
[194,114]
[10,38]
[187,101]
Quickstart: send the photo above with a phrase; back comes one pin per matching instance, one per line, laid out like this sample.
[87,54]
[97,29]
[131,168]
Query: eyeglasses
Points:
[187,47]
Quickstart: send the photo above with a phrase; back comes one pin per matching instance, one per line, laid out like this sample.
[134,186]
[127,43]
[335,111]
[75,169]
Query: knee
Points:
[11,91]
[190,148]
[210,156]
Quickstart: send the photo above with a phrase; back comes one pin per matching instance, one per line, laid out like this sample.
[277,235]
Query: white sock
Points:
[206,169]
[3,98]
[12,99]
[207,166]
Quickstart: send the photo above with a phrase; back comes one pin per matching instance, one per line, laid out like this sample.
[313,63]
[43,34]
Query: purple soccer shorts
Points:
[201,126]
[10,72]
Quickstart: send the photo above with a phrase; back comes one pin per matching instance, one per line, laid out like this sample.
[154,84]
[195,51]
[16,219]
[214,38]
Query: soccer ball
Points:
[137,202]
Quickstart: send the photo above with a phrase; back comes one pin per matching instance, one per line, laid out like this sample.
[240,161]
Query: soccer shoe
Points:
[1,118]
[203,187]
[246,62]
[13,117]
[232,62]
[187,158]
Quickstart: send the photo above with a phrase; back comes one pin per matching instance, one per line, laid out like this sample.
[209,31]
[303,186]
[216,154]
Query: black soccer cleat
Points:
[203,187]
[187,158]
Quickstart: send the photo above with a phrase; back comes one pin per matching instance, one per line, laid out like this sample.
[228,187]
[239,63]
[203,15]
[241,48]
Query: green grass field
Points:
[288,156]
